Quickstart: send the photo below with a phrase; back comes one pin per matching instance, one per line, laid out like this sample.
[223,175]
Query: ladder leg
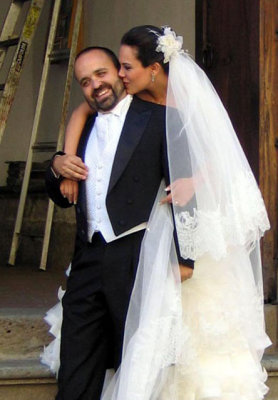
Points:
[20,211]
[69,77]
[65,106]
[28,166]
[46,237]
[18,62]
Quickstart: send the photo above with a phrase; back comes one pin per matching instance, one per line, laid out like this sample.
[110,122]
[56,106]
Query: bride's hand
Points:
[69,189]
[181,190]
[185,272]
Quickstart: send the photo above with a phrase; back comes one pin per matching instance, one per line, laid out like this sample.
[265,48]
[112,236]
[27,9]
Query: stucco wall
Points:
[107,20]
[104,23]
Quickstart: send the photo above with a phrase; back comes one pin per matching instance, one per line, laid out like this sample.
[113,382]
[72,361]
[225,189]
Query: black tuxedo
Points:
[139,166]
[140,163]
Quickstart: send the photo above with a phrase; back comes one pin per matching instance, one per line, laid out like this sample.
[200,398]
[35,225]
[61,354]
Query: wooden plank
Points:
[70,71]
[268,163]
[18,62]
[8,27]
[80,43]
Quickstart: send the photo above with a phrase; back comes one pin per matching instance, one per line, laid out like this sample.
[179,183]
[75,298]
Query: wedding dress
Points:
[203,338]
[54,318]
[214,361]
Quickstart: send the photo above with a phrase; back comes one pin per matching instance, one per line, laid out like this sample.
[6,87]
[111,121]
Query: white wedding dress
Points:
[214,358]
[220,364]
[54,318]
[217,362]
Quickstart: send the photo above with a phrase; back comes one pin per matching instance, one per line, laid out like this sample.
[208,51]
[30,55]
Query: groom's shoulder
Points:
[90,121]
[142,105]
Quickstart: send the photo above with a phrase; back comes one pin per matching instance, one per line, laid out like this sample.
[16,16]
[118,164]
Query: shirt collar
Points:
[120,108]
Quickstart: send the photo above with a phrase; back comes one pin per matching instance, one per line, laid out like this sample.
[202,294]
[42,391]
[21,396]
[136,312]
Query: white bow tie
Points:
[104,130]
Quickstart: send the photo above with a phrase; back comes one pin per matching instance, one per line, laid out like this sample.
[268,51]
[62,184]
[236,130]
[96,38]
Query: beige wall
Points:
[105,21]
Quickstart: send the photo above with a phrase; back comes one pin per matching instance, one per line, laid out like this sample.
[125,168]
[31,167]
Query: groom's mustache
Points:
[97,91]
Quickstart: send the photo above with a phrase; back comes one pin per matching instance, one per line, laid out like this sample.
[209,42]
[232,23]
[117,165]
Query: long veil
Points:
[203,338]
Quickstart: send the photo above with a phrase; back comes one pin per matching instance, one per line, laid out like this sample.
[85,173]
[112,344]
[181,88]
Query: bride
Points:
[203,338]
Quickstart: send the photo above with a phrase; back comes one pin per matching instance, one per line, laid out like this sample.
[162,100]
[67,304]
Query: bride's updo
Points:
[144,39]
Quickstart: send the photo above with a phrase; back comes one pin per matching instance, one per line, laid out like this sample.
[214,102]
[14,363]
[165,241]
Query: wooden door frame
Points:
[268,136]
[267,42]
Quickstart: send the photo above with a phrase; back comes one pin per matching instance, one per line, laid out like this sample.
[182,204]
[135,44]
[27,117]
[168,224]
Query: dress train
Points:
[215,361]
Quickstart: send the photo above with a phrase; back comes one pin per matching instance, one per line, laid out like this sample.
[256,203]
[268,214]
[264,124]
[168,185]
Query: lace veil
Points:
[220,217]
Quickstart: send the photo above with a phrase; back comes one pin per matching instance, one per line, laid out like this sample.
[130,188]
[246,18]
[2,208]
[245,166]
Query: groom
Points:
[124,147]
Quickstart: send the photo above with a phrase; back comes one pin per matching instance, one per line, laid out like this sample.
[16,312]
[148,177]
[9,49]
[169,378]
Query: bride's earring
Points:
[153,77]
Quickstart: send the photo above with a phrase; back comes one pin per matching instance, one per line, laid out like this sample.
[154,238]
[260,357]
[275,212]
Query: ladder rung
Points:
[9,42]
[59,55]
[45,146]
[38,169]
[2,86]
[33,235]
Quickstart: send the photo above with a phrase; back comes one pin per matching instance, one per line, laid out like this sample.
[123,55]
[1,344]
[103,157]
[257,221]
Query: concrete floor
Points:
[29,287]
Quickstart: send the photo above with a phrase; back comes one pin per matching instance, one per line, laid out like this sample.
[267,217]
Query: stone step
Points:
[270,362]
[26,380]
[30,246]
[271,322]
[24,333]
[29,380]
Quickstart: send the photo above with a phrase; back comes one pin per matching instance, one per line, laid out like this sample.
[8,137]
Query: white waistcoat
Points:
[99,158]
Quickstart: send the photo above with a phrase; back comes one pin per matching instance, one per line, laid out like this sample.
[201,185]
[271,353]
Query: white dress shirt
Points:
[99,157]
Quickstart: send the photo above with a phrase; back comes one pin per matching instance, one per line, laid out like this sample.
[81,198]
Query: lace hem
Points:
[243,222]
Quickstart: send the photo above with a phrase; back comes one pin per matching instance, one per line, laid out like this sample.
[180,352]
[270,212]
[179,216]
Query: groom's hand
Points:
[70,166]
[185,272]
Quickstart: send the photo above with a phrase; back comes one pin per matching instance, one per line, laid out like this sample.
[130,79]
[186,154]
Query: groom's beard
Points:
[108,101]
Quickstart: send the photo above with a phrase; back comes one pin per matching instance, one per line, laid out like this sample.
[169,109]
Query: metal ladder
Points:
[8,39]
[33,146]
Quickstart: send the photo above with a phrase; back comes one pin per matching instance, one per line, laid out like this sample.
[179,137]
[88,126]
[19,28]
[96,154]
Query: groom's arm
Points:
[52,183]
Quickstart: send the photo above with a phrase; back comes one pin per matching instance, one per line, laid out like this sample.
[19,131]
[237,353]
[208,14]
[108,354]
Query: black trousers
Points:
[94,310]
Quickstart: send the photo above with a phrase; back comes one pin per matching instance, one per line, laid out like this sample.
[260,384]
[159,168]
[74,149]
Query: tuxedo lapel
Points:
[81,153]
[85,136]
[133,129]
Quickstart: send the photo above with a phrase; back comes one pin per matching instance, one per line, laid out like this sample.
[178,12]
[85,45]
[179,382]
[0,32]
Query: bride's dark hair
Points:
[144,39]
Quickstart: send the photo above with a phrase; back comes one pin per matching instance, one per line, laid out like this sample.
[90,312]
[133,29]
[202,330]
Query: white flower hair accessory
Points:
[170,44]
